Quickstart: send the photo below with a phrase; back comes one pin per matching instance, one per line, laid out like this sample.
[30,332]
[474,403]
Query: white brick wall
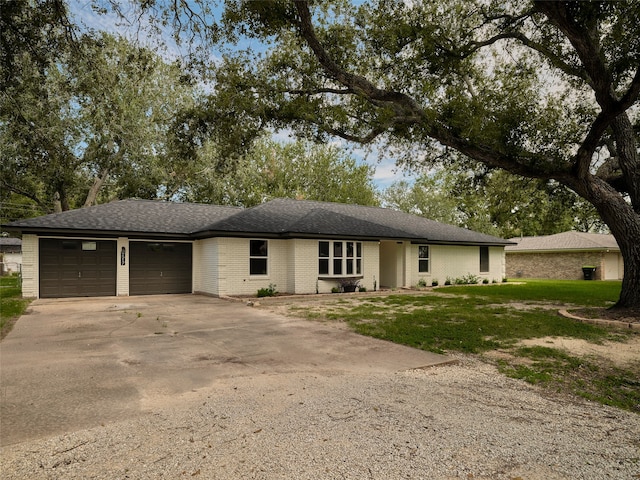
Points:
[30,279]
[221,266]
[234,277]
[206,266]
[457,261]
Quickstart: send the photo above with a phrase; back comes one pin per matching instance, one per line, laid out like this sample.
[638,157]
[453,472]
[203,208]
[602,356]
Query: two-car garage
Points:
[88,267]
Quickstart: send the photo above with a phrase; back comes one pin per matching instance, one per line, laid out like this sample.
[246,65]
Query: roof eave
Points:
[566,250]
[76,232]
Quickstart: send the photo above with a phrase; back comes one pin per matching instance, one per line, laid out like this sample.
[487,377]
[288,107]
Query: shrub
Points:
[335,290]
[270,291]
[422,283]
[470,279]
[362,289]
[434,283]
[485,281]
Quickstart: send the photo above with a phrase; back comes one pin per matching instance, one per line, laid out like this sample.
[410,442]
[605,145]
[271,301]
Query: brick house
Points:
[136,247]
[562,256]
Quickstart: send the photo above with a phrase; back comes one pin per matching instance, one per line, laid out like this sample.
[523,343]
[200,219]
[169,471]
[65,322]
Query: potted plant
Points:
[349,284]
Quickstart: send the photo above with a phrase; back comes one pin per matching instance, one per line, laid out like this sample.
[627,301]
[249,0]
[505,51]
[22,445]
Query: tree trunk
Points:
[624,224]
[95,188]
[57,205]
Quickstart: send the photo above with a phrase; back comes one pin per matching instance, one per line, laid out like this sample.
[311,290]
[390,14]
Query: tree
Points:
[282,170]
[89,119]
[544,89]
[494,202]
[428,196]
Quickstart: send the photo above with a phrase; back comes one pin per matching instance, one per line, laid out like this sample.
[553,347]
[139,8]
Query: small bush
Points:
[448,281]
[362,289]
[485,281]
[270,291]
[470,279]
[335,290]
[422,283]
[434,283]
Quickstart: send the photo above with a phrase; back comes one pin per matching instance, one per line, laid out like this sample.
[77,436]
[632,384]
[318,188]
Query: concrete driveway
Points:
[79,363]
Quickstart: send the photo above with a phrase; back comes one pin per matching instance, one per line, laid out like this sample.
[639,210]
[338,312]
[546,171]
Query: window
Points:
[484,259]
[258,250]
[339,258]
[323,261]
[423,258]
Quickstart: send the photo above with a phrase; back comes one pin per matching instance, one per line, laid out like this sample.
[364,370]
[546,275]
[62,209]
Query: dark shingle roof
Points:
[130,216]
[291,217]
[281,217]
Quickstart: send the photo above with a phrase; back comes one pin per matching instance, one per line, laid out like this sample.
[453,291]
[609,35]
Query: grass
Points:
[477,320]
[12,305]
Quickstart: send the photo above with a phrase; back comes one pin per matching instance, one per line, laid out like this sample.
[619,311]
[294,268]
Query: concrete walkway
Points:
[77,363]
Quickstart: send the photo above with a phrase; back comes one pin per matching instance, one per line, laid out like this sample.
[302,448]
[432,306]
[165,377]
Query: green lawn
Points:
[12,305]
[479,320]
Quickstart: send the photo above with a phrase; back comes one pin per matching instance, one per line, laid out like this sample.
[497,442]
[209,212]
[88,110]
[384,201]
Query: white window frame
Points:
[343,260]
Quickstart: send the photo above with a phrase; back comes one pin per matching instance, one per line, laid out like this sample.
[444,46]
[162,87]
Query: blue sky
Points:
[386,171]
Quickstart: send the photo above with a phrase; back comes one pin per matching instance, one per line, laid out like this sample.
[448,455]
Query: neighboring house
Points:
[10,255]
[563,255]
[135,247]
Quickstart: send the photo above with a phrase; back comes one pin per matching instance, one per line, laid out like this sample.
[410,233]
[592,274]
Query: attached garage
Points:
[159,267]
[77,268]
[142,247]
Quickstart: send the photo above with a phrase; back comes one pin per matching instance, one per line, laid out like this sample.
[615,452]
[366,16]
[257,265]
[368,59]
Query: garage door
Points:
[77,268]
[159,267]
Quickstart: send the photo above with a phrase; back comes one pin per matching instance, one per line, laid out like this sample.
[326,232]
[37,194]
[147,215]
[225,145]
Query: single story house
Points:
[10,255]
[562,256]
[137,247]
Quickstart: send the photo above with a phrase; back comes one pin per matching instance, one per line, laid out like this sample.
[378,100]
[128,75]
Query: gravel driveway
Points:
[313,419]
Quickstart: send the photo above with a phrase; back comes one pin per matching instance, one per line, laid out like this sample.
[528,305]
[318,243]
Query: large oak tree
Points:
[83,116]
[542,89]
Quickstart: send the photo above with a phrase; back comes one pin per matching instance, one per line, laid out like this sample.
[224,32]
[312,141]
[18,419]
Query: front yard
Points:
[515,326]
[12,305]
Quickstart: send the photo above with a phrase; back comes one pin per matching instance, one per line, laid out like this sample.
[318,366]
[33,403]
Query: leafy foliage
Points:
[283,170]
[541,89]
[494,202]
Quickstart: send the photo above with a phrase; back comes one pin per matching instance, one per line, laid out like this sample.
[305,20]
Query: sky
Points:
[386,171]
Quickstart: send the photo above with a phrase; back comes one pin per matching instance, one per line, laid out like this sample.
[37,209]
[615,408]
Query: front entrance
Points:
[159,267]
[77,268]
[392,264]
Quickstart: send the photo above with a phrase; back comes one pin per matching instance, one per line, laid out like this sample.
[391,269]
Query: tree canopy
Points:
[546,90]
[542,89]
[91,119]
[494,202]
[271,169]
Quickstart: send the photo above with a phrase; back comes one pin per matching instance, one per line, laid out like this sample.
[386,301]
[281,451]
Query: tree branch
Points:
[45,206]
[357,83]
[316,91]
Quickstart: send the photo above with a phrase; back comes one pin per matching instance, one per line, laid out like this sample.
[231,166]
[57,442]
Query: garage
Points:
[159,268]
[77,267]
